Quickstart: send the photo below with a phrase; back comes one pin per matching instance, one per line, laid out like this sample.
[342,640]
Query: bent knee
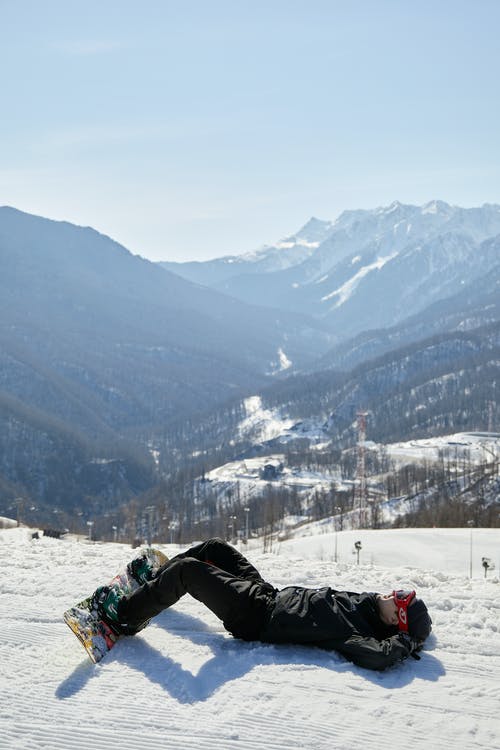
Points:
[215,545]
[191,564]
[216,541]
[193,571]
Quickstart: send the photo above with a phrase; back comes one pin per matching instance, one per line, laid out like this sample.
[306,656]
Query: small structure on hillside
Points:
[271,470]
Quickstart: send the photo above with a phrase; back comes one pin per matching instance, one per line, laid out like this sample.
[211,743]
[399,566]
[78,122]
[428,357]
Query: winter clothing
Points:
[412,644]
[250,608]
[343,621]
[419,622]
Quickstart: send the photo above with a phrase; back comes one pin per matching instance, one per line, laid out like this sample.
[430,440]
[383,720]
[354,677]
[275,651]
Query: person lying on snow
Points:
[372,630]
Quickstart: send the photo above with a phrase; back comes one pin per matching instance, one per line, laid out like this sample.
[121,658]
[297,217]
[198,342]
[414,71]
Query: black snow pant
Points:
[217,575]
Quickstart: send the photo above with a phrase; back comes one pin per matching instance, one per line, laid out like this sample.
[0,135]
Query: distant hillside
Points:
[287,253]
[477,304]
[295,454]
[58,472]
[368,269]
[118,377]
[105,347]
[437,385]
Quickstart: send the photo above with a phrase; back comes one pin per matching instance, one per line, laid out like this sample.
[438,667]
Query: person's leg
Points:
[224,556]
[240,604]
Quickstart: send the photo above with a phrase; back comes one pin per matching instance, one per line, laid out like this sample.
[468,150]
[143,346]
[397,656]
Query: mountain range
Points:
[140,343]
[367,269]
[99,348]
[115,371]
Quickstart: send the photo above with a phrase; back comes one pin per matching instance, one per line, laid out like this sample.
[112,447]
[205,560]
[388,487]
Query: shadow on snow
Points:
[231,660]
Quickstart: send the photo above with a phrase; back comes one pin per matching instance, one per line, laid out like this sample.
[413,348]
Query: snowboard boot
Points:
[105,602]
[141,569]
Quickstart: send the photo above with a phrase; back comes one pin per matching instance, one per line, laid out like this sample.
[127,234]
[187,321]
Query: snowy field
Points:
[185,683]
[454,551]
[247,476]
[476,447]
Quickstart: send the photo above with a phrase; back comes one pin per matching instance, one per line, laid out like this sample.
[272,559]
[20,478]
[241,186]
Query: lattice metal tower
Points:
[361,493]
[491,413]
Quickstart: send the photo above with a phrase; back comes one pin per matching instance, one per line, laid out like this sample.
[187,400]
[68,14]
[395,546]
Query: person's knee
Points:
[176,568]
[190,567]
[179,576]
[216,543]
[194,574]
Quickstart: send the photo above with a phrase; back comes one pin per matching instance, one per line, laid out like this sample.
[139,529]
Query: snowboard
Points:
[96,635]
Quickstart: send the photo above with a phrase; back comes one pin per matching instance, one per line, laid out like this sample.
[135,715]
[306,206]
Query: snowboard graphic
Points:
[96,635]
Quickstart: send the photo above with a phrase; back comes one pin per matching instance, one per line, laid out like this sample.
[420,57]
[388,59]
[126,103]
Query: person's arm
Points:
[374,654]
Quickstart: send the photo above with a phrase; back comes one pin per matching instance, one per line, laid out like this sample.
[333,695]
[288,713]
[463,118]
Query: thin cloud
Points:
[89,47]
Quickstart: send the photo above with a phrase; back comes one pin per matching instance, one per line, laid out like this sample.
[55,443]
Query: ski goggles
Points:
[403,600]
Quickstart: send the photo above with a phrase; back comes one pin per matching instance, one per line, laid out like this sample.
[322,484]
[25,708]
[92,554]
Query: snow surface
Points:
[346,290]
[260,423]
[263,425]
[184,682]
[249,476]
[269,424]
[285,363]
[476,447]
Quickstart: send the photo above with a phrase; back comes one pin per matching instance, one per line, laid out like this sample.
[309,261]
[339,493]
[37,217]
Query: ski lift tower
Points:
[361,498]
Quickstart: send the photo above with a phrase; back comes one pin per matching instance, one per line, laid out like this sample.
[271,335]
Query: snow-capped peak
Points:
[393,207]
[435,207]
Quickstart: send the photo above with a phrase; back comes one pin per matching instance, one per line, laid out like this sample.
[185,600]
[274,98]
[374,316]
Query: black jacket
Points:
[335,620]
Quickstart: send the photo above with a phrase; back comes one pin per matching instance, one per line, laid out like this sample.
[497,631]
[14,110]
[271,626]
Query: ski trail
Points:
[185,682]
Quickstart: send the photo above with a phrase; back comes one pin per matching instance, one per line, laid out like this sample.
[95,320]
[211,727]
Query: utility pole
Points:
[247,511]
[361,469]
[149,518]
[357,547]
[337,509]
[470,524]
[19,501]
[232,527]
[491,409]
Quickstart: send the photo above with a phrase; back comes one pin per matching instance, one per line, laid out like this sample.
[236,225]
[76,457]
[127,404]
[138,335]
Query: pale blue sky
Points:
[187,130]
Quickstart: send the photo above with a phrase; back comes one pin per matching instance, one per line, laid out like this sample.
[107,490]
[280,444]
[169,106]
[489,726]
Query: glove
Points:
[411,644]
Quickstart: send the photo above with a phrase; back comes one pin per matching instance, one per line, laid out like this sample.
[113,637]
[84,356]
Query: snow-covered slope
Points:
[284,254]
[369,268]
[184,682]
[250,476]
[477,304]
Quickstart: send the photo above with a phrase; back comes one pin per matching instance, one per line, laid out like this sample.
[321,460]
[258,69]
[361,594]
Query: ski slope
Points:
[184,682]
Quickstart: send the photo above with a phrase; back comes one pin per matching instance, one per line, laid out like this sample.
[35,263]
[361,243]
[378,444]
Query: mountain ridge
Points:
[115,373]
[373,266]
